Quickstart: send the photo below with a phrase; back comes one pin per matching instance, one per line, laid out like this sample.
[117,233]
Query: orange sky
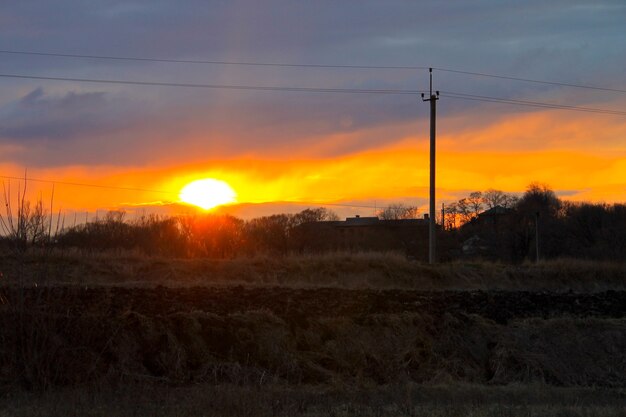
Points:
[582,157]
[290,101]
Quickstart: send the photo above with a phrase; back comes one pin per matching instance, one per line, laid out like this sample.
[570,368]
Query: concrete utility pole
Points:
[432,226]
[537,237]
[443,216]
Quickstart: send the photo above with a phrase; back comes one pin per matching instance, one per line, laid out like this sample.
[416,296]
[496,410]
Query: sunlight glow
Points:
[207,193]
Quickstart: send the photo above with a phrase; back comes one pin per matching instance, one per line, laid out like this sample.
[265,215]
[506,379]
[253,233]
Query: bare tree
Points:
[510,201]
[539,198]
[450,215]
[398,212]
[313,215]
[475,201]
[493,198]
[464,210]
[468,208]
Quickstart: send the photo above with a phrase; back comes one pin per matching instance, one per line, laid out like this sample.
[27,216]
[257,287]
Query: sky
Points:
[289,150]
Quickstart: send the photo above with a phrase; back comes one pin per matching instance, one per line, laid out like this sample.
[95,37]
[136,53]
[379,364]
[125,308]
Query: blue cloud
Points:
[561,40]
[38,116]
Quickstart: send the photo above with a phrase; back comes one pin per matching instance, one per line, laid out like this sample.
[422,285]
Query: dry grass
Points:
[131,399]
[47,347]
[259,363]
[342,270]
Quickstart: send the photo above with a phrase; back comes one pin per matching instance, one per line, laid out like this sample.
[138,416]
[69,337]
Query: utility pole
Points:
[443,216]
[537,237]
[432,226]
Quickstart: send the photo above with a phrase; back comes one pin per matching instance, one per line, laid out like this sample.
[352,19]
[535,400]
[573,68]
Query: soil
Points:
[499,306]
[245,335]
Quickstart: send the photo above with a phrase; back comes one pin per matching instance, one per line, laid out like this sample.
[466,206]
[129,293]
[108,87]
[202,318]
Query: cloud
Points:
[37,116]
[501,36]
[327,136]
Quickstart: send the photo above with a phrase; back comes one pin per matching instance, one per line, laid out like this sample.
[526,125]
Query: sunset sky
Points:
[288,150]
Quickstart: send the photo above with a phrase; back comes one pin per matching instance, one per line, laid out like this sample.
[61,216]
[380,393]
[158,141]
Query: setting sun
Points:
[207,193]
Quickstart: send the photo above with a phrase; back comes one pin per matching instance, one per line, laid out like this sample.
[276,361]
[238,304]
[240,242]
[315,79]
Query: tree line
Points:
[490,225]
[207,235]
[513,229]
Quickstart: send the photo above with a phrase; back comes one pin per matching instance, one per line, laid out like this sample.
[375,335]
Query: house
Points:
[494,215]
[368,234]
[486,235]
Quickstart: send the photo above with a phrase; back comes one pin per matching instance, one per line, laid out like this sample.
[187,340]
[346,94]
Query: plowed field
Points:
[67,335]
[499,306]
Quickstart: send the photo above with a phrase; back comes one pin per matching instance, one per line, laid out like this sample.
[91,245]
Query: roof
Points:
[360,221]
[375,221]
[496,210]
[369,222]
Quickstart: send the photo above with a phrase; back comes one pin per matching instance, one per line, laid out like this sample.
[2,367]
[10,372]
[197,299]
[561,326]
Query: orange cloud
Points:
[508,154]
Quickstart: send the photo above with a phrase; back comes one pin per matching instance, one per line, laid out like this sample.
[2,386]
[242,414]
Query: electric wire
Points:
[450,94]
[529,80]
[197,61]
[78,184]
[219,86]
[474,97]
[305,65]
[114,187]
[310,203]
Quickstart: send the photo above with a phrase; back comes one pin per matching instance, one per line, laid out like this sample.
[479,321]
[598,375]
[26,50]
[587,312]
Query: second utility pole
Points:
[432,225]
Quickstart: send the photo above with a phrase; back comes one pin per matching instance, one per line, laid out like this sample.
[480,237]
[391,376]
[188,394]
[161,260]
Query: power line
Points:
[304,65]
[113,187]
[78,184]
[219,86]
[310,203]
[195,61]
[450,94]
[529,80]
[473,97]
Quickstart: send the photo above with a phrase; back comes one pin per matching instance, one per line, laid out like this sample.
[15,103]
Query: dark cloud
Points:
[38,116]
[561,40]
[477,34]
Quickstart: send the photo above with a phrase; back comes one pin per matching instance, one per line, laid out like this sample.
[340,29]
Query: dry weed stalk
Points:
[27,224]
[29,329]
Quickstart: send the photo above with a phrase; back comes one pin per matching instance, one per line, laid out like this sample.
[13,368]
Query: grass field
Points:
[402,400]
[121,334]
[342,270]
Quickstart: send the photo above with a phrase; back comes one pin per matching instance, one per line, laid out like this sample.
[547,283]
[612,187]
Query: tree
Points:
[450,215]
[538,216]
[510,201]
[475,201]
[494,198]
[313,215]
[539,199]
[464,210]
[269,233]
[398,212]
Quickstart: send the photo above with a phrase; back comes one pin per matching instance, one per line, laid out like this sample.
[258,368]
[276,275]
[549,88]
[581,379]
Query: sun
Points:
[207,193]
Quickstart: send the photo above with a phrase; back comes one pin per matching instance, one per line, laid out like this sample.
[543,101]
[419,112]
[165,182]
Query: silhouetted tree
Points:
[464,210]
[313,215]
[539,198]
[310,230]
[494,198]
[475,201]
[268,233]
[594,231]
[538,209]
[398,212]
[450,216]
[581,230]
